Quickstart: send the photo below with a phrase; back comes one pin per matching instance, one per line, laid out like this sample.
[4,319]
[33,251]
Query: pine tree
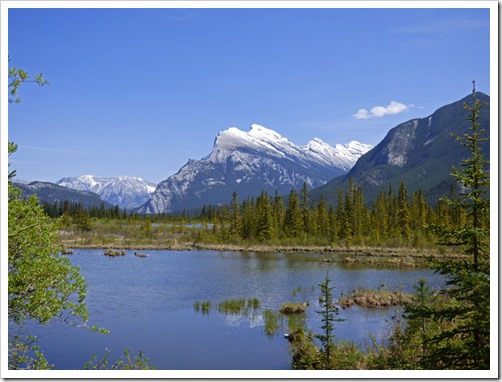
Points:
[265,223]
[420,215]
[304,206]
[359,216]
[381,216]
[466,345]
[403,212]
[235,217]
[279,213]
[322,223]
[293,221]
[248,219]
[327,312]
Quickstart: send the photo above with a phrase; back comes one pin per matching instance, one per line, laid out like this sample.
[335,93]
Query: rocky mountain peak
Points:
[124,191]
[249,162]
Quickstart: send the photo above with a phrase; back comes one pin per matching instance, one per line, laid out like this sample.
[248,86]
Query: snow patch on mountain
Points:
[249,162]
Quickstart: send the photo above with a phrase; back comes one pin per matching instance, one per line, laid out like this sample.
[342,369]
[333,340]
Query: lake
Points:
[148,305]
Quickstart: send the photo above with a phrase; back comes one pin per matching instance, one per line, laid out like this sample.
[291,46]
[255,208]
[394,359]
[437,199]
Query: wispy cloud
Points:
[379,111]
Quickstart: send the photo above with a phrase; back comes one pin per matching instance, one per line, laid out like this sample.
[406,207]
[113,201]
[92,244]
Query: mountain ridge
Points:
[249,162]
[420,152]
[125,191]
[50,193]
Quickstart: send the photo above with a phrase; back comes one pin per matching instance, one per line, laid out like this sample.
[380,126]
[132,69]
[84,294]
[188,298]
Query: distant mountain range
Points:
[249,162]
[420,152]
[51,193]
[124,191]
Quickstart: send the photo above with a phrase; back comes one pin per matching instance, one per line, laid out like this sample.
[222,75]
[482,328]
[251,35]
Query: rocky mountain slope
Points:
[50,193]
[249,162]
[126,192]
[420,152]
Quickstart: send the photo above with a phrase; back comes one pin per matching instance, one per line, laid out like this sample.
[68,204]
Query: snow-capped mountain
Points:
[249,162]
[50,193]
[124,191]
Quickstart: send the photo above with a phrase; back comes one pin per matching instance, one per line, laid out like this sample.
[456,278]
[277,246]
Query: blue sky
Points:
[140,91]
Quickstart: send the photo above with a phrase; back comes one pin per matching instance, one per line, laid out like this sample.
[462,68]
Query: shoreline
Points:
[387,252]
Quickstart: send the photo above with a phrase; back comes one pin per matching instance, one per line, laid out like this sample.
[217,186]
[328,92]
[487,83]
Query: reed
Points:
[369,298]
[114,252]
[293,308]
[271,320]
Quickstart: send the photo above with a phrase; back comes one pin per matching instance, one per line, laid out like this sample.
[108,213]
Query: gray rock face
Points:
[124,191]
[419,152]
[247,163]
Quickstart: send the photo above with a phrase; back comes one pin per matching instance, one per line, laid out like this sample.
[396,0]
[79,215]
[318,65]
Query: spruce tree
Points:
[304,206]
[327,312]
[235,217]
[403,212]
[279,212]
[466,344]
[293,221]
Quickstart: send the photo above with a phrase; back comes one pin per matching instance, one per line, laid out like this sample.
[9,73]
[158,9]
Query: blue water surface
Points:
[148,305]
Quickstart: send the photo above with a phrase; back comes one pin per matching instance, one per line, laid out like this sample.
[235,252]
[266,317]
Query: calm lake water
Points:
[147,304]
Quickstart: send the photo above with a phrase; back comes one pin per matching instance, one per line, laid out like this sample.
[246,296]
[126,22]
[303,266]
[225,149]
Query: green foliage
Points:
[12,148]
[294,218]
[369,298]
[204,306]
[17,77]
[238,306]
[305,355]
[232,306]
[20,350]
[466,345]
[82,220]
[139,362]
[393,220]
[327,312]
[42,284]
[271,322]
[293,307]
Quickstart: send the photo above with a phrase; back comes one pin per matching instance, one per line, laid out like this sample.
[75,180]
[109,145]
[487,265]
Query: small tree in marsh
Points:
[327,312]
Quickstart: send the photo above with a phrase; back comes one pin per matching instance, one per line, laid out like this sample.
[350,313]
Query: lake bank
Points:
[378,256]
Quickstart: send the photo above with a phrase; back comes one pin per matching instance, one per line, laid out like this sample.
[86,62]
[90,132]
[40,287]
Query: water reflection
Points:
[148,305]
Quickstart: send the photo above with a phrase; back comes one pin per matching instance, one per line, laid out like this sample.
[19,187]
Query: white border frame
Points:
[492,5]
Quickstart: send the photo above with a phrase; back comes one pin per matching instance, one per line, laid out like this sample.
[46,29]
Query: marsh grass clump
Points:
[114,252]
[271,320]
[369,298]
[202,306]
[232,306]
[206,307]
[293,307]
[196,306]
[253,303]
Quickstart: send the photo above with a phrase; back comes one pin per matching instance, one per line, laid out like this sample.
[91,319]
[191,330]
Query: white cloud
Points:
[379,111]
[361,114]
